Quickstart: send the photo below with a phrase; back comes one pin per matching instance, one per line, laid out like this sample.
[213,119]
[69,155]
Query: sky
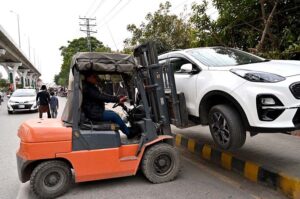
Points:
[47,25]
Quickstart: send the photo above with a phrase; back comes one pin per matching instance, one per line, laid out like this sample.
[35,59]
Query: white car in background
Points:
[233,92]
[22,100]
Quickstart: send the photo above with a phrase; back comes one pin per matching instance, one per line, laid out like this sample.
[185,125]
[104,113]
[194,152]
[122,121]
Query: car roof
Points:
[24,89]
[184,50]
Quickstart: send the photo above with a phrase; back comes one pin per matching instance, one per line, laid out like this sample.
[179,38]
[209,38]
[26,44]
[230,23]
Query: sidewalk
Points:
[271,159]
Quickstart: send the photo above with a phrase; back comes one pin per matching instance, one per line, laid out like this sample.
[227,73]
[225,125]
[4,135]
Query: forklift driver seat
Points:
[87,124]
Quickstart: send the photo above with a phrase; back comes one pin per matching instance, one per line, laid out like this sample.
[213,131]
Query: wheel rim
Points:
[53,181]
[162,164]
[220,129]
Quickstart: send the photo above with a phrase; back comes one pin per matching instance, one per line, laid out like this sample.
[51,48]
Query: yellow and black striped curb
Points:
[290,186]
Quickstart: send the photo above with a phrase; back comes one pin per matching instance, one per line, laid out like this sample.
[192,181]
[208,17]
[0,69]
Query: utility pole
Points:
[18,20]
[29,47]
[88,29]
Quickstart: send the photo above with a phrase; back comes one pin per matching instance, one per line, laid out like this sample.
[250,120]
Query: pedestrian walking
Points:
[53,105]
[43,99]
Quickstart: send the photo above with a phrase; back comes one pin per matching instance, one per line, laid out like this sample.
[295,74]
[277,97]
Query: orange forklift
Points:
[52,151]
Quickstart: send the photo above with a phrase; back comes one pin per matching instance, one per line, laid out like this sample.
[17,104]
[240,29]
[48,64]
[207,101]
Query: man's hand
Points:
[122,99]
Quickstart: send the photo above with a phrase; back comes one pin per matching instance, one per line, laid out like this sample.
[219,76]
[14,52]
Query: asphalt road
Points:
[198,179]
[9,142]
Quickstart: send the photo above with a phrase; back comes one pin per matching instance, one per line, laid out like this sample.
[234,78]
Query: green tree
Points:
[203,27]
[264,25]
[167,30]
[3,83]
[67,52]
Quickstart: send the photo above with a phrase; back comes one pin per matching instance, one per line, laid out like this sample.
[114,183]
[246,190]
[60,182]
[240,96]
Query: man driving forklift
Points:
[94,107]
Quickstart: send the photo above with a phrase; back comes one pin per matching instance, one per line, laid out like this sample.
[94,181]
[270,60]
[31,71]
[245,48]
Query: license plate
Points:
[21,106]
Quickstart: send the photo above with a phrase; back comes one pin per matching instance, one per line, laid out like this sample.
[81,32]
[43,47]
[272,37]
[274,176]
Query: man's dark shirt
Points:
[93,101]
[43,97]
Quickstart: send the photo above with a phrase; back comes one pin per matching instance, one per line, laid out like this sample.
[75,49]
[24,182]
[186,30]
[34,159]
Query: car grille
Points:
[27,106]
[295,89]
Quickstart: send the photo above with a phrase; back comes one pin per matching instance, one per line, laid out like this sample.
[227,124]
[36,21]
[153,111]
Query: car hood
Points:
[22,99]
[284,68]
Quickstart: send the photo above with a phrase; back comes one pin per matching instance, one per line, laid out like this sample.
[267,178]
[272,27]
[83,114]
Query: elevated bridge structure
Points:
[15,62]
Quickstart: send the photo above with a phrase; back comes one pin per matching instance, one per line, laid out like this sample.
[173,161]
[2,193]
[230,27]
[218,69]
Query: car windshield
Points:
[24,93]
[220,56]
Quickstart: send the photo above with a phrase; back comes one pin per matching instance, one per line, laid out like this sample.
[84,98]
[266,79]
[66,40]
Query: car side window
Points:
[176,64]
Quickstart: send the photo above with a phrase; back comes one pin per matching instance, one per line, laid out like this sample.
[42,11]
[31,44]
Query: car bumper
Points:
[22,107]
[289,117]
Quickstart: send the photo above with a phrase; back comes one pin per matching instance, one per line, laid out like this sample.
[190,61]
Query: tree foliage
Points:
[267,27]
[167,30]
[67,52]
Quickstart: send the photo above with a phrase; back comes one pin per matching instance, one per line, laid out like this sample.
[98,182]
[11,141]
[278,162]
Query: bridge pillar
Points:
[12,72]
[30,76]
[23,75]
[35,78]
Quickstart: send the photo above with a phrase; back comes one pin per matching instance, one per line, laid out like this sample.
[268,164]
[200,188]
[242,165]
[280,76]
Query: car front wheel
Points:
[226,127]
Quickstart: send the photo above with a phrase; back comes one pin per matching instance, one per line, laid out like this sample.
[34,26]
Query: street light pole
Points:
[18,18]
[29,47]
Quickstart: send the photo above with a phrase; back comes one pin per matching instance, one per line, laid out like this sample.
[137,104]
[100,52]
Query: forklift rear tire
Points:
[51,179]
[161,163]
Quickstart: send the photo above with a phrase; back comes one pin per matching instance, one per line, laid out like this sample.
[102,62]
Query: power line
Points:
[91,6]
[111,35]
[88,29]
[180,4]
[98,6]
[111,10]
[116,13]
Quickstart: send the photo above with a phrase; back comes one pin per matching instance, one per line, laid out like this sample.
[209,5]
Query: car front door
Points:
[186,80]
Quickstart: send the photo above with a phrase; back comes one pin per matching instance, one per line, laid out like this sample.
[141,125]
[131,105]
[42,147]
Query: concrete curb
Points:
[254,172]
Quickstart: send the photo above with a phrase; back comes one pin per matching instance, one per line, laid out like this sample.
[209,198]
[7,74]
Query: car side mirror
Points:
[187,68]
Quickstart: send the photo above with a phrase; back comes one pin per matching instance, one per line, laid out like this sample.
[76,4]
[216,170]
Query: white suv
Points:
[233,92]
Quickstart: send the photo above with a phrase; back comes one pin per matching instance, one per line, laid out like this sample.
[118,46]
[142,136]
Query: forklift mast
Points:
[152,80]
[166,105]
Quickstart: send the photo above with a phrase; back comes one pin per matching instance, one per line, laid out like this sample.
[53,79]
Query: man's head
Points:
[91,78]
[52,93]
[44,87]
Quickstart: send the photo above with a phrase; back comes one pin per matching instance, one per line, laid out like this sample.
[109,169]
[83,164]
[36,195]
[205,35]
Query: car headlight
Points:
[258,76]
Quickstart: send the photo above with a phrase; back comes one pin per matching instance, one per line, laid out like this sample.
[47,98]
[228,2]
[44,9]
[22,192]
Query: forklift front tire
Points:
[161,163]
[51,179]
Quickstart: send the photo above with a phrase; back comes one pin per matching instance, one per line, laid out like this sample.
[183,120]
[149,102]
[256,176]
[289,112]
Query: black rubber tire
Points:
[9,112]
[164,152]
[46,170]
[235,127]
